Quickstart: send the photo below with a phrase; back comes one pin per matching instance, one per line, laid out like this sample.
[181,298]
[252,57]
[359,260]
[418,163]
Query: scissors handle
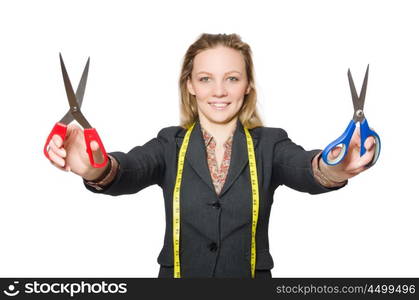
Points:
[343,140]
[365,133]
[59,129]
[90,135]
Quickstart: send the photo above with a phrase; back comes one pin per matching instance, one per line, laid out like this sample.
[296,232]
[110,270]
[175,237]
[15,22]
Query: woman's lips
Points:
[219,105]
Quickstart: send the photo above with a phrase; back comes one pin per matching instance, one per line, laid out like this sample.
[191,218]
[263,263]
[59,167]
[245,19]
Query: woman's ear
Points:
[190,86]
[248,89]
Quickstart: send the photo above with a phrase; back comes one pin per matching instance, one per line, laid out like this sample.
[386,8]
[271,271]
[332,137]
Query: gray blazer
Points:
[216,229]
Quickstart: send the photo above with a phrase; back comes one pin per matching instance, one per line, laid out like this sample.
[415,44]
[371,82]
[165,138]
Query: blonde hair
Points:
[248,114]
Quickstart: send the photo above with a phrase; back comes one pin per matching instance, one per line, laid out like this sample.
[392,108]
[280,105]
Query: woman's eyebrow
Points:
[232,71]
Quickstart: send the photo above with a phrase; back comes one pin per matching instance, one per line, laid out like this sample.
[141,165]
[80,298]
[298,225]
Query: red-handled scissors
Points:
[74,113]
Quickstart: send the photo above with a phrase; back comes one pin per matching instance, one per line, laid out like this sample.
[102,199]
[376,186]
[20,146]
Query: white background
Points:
[50,225]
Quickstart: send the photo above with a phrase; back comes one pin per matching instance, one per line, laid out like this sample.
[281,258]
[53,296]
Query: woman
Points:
[216,214]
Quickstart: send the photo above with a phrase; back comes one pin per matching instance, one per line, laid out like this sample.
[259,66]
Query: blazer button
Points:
[213,247]
[216,205]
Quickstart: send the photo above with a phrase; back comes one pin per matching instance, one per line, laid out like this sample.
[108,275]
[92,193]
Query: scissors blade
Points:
[361,100]
[68,118]
[72,99]
[353,91]
[82,84]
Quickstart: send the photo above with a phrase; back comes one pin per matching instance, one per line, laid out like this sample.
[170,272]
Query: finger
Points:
[54,153]
[57,140]
[74,131]
[55,158]
[57,166]
[74,135]
[335,152]
[59,151]
[72,127]
[356,138]
[358,132]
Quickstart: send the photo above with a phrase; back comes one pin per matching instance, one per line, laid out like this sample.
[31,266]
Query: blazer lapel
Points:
[239,157]
[196,155]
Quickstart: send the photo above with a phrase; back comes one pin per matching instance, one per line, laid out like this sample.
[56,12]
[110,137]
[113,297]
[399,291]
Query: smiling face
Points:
[219,83]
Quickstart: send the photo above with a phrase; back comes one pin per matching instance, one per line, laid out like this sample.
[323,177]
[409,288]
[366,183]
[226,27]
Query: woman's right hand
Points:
[72,155]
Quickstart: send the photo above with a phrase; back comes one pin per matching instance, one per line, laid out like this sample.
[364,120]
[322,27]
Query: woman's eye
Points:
[206,78]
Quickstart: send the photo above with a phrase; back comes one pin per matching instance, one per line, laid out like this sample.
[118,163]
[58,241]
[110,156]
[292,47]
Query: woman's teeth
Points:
[219,105]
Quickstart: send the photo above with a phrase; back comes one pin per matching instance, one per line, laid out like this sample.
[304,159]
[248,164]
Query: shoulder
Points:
[171,132]
[269,134]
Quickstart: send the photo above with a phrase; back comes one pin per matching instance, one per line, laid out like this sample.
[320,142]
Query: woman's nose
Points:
[219,90]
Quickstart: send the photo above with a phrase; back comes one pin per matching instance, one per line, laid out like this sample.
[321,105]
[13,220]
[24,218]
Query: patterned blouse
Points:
[218,176]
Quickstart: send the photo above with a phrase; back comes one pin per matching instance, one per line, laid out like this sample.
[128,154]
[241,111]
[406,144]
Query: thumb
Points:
[98,156]
[369,143]
[94,146]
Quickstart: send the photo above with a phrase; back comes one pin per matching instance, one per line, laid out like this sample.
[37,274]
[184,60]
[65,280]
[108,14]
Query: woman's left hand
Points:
[353,163]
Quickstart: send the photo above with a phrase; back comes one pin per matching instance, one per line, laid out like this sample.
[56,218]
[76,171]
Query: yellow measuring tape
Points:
[176,200]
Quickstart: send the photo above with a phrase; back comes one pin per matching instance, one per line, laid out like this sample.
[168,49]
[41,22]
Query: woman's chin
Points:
[218,119]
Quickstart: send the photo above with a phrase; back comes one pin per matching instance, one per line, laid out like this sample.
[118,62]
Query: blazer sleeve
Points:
[292,166]
[141,167]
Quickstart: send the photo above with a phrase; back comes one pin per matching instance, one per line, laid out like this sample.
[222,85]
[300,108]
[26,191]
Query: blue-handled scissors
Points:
[359,116]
